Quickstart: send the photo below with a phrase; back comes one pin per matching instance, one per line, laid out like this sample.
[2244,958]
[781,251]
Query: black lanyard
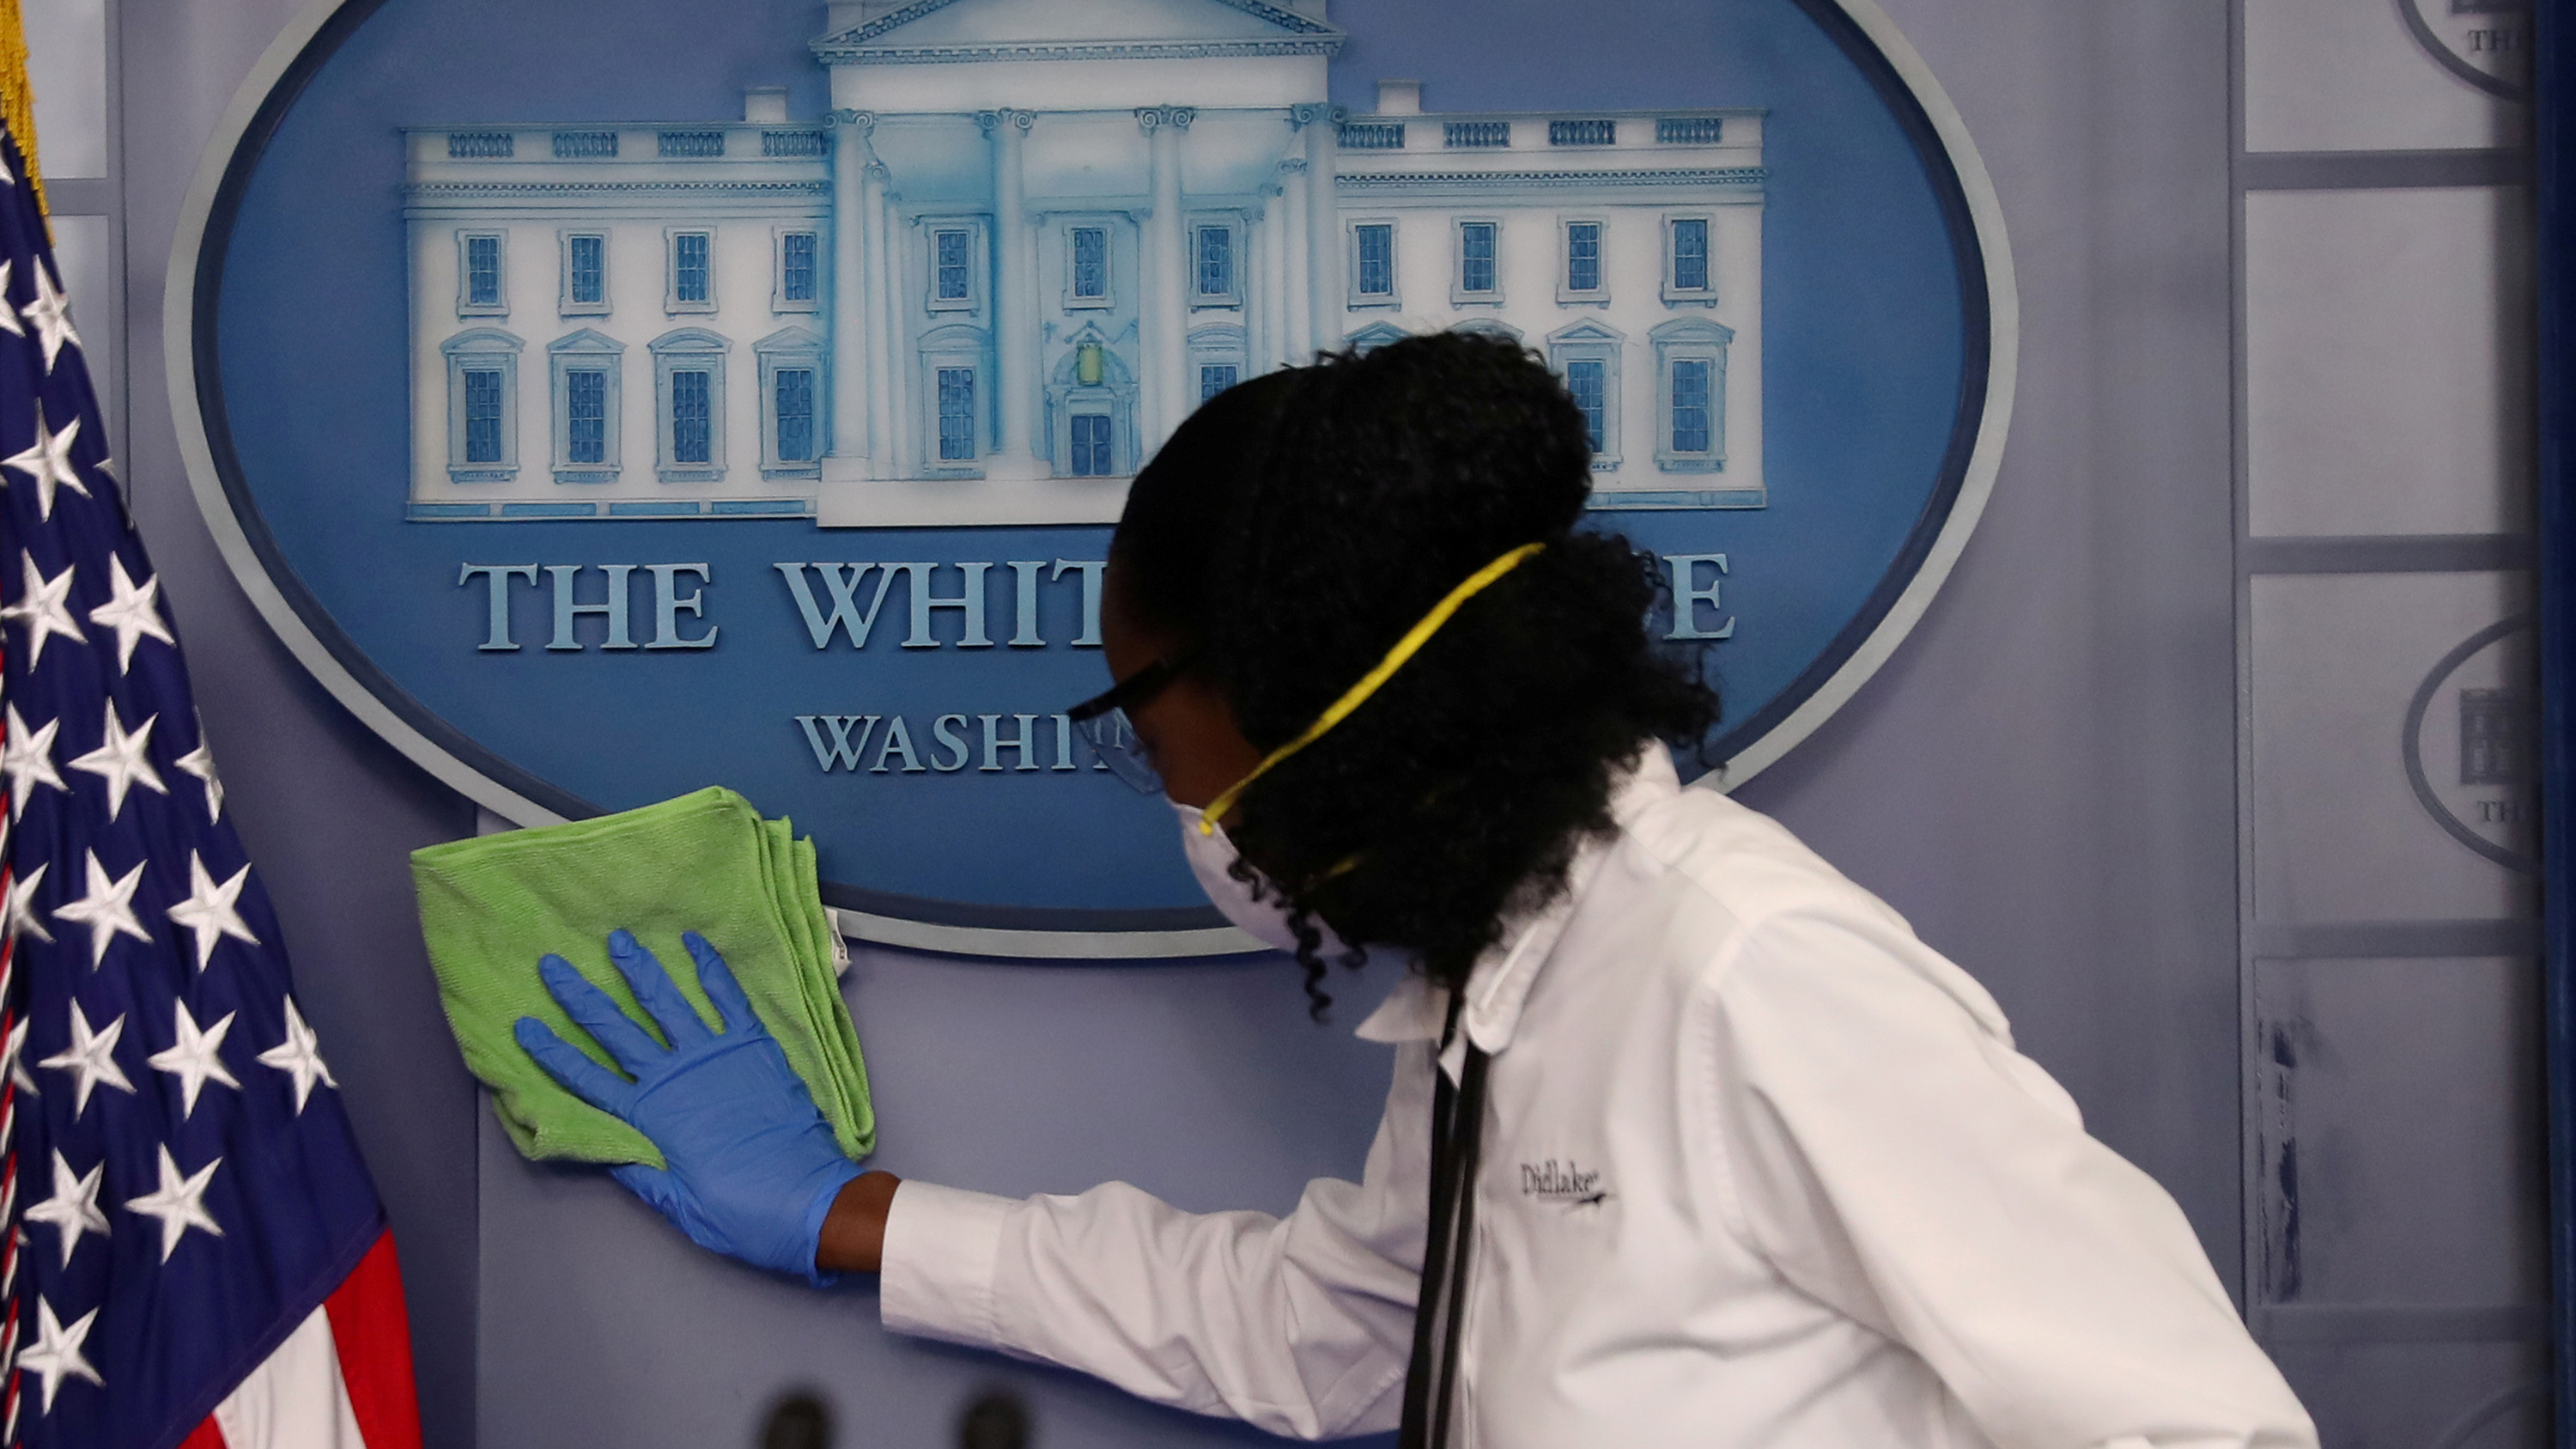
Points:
[1457,1119]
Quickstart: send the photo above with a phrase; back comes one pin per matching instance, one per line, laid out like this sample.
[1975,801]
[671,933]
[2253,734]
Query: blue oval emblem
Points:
[598,425]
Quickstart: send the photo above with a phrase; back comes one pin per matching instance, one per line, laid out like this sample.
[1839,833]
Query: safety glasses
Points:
[1112,736]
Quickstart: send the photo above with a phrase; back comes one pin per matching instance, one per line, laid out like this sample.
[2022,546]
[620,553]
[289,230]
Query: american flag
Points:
[194,1253]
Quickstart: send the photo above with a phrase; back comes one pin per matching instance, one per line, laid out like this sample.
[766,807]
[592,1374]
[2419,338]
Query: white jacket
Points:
[1760,1169]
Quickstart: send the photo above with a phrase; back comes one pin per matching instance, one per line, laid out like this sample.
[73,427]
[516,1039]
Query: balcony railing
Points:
[1372,135]
[791,143]
[690,143]
[1687,130]
[1583,133]
[1476,133]
[585,145]
[479,145]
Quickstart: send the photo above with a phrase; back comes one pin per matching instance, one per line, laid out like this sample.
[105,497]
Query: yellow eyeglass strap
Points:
[1405,648]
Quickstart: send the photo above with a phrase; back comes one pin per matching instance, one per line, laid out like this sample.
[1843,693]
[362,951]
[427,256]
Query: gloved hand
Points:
[753,1166]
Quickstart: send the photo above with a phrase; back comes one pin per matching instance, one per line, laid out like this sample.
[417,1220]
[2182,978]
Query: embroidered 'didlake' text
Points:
[1561,1182]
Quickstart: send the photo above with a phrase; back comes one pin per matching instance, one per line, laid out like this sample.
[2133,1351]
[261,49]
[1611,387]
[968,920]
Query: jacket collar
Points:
[1500,985]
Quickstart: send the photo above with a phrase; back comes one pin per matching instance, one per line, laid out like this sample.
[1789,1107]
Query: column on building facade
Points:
[1259,305]
[1324,296]
[1015,310]
[1166,292]
[1296,312]
[876,329]
[902,369]
[853,356]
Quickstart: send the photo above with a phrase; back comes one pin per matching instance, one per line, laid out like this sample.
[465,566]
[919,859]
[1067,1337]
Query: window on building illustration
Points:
[689,405]
[1216,377]
[482,405]
[1690,394]
[1376,275]
[791,402]
[1215,261]
[482,280]
[956,413]
[1690,254]
[586,270]
[1586,355]
[586,415]
[796,261]
[692,417]
[1090,263]
[1588,381]
[1583,256]
[792,391]
[1476,258]
[483,271]
[484,399]
[1091,445]
[1691,403]
[953,253]
[691,282]
[583,372]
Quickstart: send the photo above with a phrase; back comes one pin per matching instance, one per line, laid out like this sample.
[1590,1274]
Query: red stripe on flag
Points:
[373,1336]
[204,1436]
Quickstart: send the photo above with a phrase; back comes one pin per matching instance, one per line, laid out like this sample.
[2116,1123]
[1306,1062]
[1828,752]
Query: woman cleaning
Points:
[1690,1141]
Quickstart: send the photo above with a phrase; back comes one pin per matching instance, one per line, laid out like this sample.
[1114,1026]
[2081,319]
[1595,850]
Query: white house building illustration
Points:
[1029,238]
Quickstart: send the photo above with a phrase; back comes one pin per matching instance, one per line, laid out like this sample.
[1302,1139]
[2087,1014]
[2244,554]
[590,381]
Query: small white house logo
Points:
[2484,42]
[2472,747]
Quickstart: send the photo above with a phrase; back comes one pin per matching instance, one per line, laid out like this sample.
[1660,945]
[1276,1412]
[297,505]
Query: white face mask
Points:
[1212,857]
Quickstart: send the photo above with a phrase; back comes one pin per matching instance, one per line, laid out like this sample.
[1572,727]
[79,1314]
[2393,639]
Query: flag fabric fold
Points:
[195,1252]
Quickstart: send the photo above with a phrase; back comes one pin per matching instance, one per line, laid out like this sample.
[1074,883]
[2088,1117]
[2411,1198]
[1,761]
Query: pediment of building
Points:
[1692,329]
[1587,330]
[1375,335]
[962,30]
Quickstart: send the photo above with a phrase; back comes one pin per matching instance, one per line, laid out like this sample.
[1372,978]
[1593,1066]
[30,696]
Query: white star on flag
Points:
[52,314]
[122,760]
[200,762]
[208,910]
[91,1059]
[15,1055]
[27,757]
[133,613]
[56,1353]
[196,1059]
[297,1057]
[8,311]
[73,1209]
[107,909]
[22,917]
[40,607]
[179,1202]
[48,461]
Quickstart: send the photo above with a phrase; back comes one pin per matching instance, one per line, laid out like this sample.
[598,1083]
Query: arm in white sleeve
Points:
[1894,1156]
[1301,1325]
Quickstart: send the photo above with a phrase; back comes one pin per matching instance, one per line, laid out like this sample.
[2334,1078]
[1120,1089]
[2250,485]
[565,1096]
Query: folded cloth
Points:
[704,862]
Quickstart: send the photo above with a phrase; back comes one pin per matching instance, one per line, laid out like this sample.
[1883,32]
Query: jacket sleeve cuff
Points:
[941,1244]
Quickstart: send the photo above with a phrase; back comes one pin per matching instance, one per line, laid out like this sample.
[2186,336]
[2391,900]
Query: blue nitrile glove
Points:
[753,1165]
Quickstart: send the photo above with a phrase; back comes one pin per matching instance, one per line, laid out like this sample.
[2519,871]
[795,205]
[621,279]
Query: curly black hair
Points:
[1297,525]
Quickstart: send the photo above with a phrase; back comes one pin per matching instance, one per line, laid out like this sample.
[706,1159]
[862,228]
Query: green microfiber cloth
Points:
[704,862]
